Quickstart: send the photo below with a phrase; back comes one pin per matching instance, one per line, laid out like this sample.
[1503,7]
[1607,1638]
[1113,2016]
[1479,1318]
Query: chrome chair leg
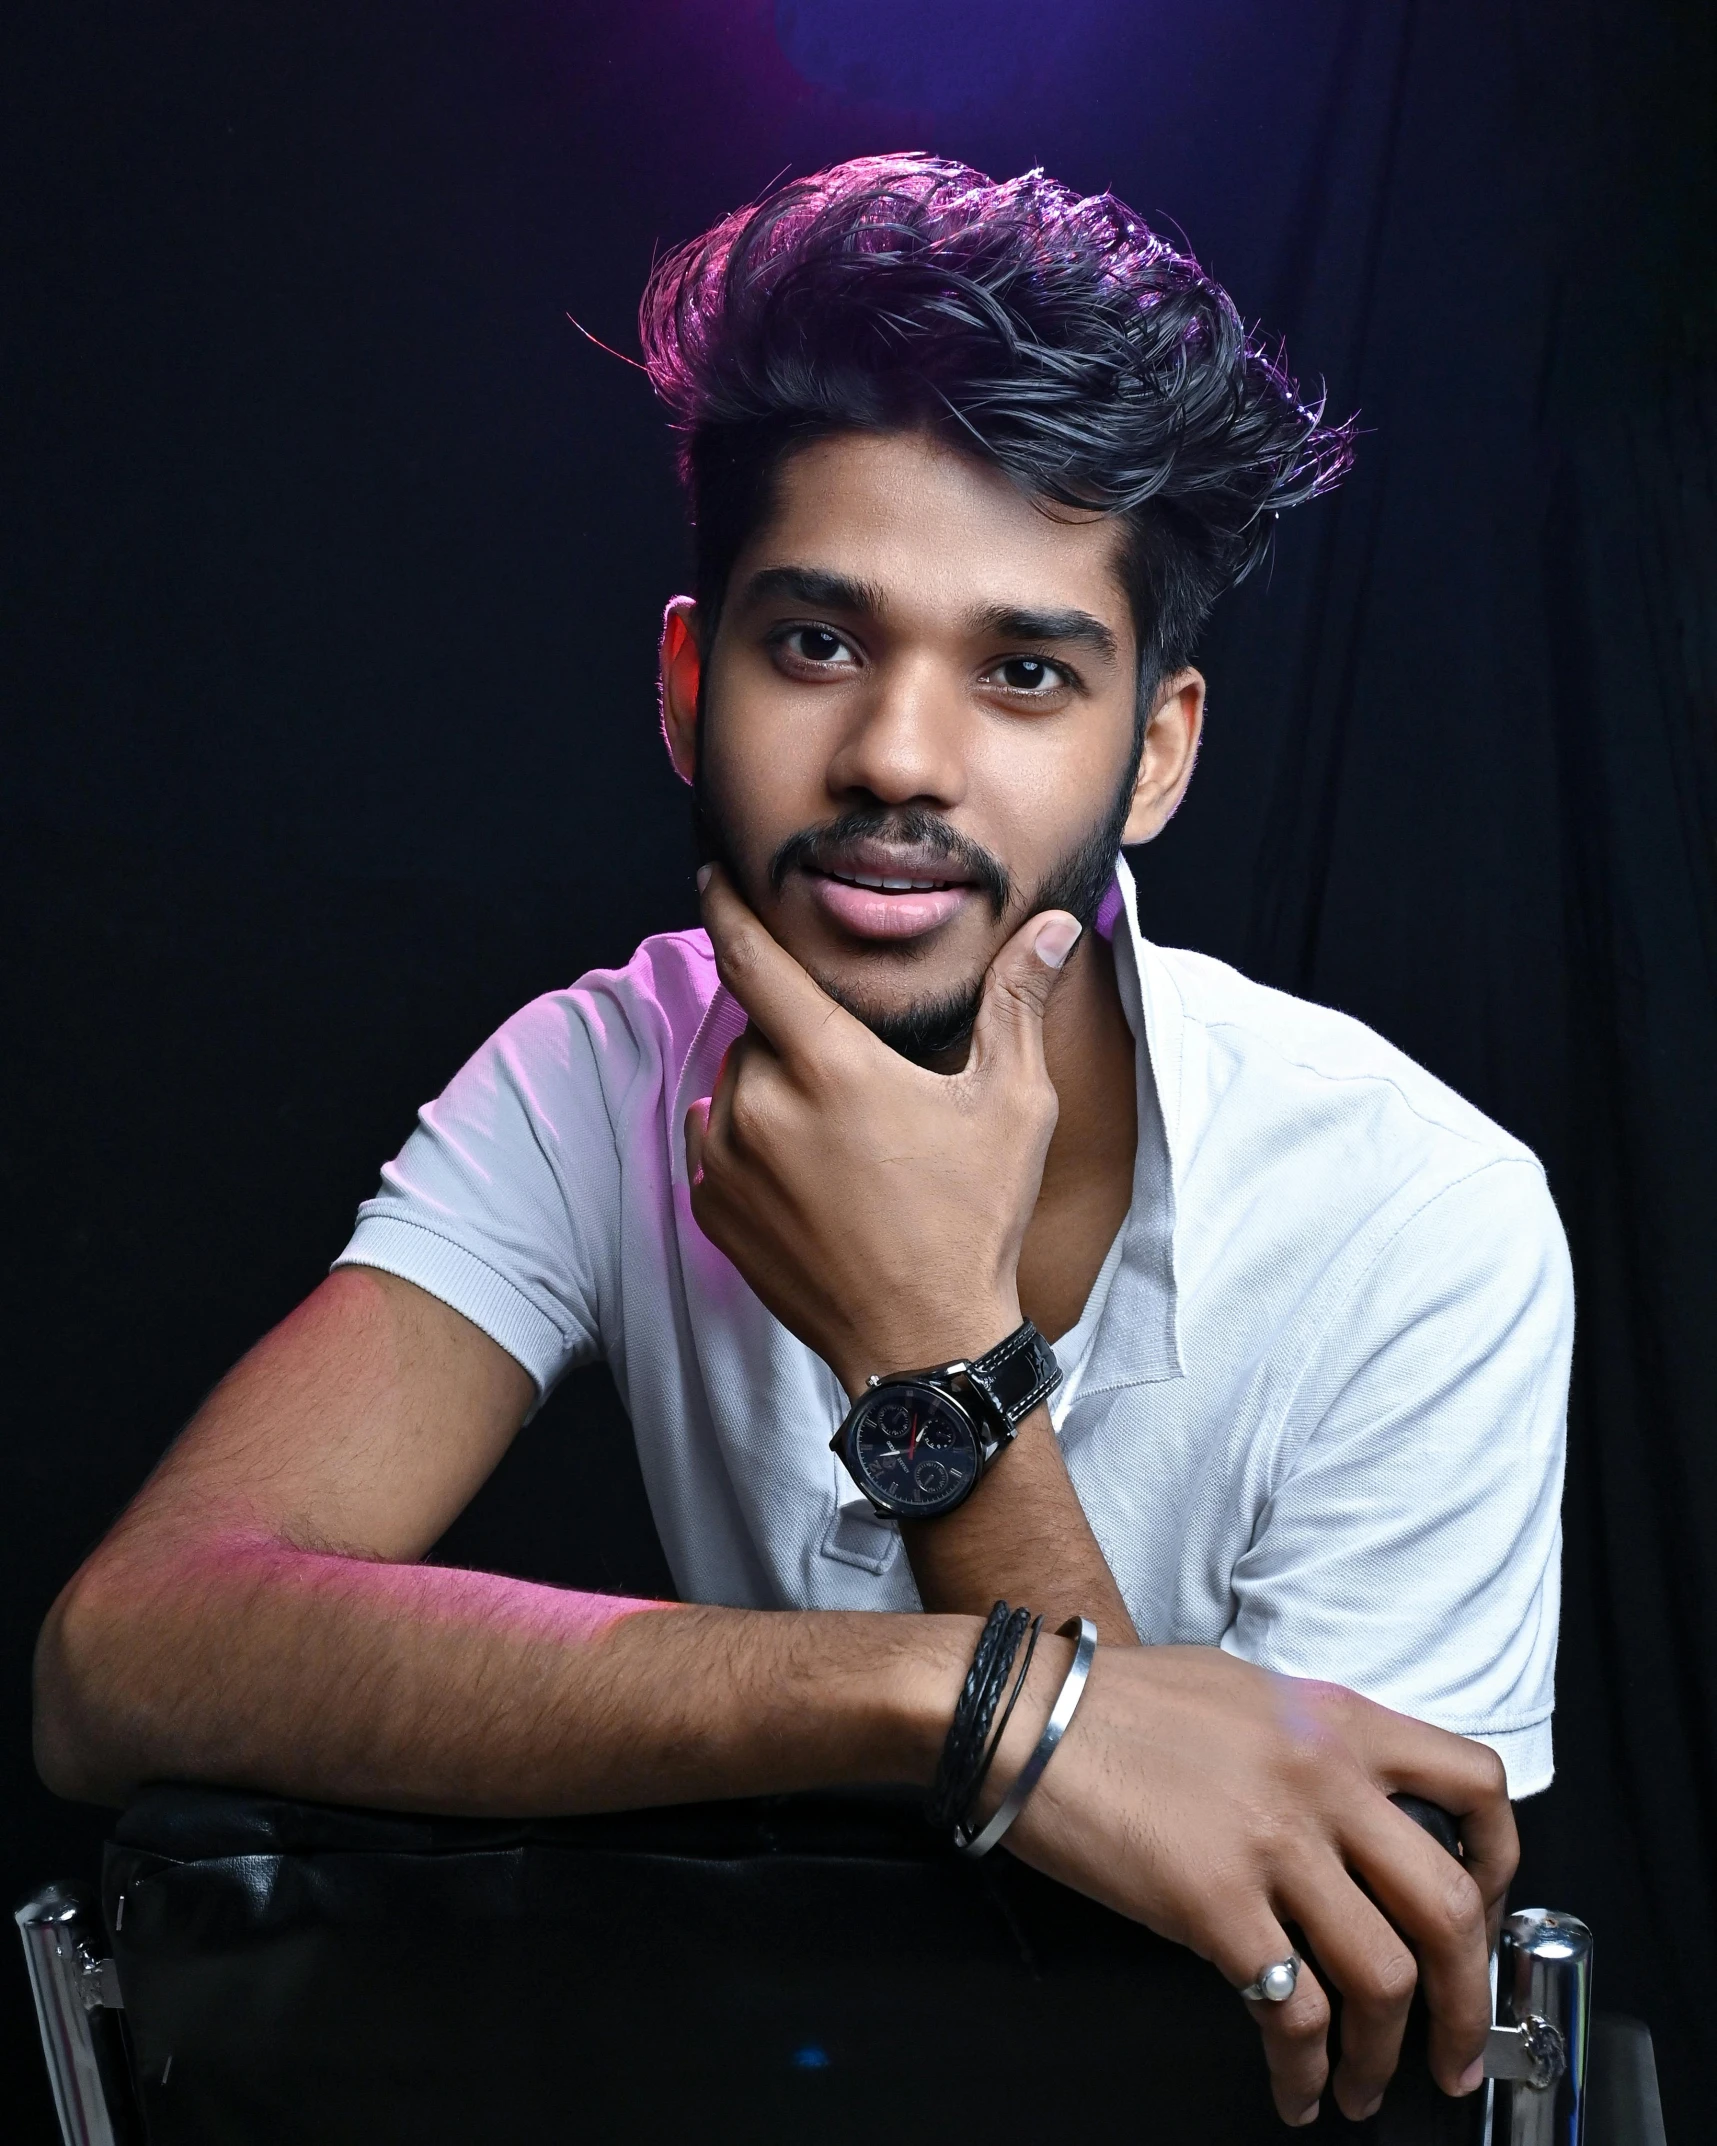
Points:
[1537,2049]
[76,1992]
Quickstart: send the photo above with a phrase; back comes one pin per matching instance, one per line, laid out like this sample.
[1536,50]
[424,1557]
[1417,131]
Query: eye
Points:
[819,645]
[1029,674]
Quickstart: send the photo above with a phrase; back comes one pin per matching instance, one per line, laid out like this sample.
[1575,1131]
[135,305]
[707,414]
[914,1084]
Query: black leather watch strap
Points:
[1015,1376]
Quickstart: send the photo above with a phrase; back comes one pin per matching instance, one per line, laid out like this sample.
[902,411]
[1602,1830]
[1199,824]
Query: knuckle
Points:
[739,962]
[1037,1121]
[1314,1760]
[1019,990]
[1391,1979]
[1304,2019]
[746,1113]
[1460,1907]
[739,940]
[1338,1710]
[1492,1774]
[1275,1834]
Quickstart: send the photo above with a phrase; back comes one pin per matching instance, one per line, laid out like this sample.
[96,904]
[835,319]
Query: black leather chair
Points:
[796,1969]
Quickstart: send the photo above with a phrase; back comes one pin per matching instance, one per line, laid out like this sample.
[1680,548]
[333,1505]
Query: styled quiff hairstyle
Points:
[1057,337]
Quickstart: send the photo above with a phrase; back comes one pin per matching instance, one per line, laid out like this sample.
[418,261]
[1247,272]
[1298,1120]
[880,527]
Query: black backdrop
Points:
[333,562]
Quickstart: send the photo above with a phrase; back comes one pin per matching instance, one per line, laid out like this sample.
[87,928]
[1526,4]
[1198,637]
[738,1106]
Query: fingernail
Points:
[1056,941]
[704,870]
[1308,2115]
[1371,2108]
[1472,2078]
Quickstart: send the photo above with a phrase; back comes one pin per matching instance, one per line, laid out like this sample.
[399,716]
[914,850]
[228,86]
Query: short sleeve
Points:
[504,1203]
[1414,1532]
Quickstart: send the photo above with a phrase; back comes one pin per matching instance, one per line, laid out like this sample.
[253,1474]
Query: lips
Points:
[875,895]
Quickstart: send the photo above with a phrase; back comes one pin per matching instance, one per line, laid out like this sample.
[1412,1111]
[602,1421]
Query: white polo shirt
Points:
[1315,1406]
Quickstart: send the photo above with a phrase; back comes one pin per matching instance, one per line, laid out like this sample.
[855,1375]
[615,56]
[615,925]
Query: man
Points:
[968,464]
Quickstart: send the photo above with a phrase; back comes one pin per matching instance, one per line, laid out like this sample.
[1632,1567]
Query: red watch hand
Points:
[913,1447]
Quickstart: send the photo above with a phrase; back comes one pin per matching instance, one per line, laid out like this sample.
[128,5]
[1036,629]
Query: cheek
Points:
[1041,797]
[764,775]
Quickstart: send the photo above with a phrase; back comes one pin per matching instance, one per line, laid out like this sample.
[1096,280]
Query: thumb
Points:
[1021,978]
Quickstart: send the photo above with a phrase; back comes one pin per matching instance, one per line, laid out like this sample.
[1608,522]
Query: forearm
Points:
[1022,1536]
[253,1663]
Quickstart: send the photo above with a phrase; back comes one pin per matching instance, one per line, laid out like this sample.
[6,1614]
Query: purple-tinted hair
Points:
[1058,337]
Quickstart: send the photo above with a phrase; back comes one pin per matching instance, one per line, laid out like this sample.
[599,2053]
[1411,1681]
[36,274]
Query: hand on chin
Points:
[875,1207]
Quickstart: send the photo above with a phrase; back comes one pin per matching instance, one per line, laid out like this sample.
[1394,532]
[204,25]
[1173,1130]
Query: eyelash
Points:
[1066,675]
[783,634]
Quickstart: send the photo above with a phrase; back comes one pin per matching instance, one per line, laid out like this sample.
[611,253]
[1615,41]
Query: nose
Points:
[908,738]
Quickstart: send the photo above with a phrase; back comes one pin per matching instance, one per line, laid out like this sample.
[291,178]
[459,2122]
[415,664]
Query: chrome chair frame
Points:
[1536,2057]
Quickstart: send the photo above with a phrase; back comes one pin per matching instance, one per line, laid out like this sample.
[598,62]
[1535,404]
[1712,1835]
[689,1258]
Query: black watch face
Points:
[914,1449]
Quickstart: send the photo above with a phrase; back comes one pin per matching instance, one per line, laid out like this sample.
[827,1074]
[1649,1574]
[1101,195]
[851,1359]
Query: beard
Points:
[933,1028]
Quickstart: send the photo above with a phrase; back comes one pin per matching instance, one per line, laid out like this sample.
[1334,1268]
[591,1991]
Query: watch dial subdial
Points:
[915,1450]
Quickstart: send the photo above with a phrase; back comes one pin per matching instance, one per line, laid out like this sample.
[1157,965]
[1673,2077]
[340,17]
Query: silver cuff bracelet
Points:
[1060,1714]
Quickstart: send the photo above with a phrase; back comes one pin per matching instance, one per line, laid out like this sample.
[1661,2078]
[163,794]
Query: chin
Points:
[923,1026]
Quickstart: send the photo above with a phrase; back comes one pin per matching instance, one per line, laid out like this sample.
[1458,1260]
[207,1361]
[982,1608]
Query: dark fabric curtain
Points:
[333,584]
[1475,721]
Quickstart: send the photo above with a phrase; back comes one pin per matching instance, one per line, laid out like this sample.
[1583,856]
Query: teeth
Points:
[896,886]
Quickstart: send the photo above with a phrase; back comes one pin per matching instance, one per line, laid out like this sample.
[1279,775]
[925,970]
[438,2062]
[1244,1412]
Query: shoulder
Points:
[1325,1067]
[646,1014]
[1361,1145]
[661,997]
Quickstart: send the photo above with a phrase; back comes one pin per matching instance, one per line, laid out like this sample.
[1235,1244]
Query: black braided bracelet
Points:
[1001,1729]
[940,1806]
[963,1752]
[982,1745]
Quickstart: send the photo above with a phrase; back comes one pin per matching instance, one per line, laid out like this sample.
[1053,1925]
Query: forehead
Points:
[937,533]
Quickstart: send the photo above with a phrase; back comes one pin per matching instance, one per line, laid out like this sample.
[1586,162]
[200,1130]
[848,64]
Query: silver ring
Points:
[1276,1984]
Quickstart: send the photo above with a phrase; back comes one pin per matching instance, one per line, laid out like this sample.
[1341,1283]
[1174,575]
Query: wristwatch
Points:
[916,1442]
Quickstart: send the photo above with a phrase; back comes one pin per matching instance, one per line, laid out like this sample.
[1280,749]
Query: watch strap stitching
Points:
[1024,1340]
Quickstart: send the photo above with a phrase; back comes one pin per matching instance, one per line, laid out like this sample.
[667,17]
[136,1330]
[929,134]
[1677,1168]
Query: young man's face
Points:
[918,722]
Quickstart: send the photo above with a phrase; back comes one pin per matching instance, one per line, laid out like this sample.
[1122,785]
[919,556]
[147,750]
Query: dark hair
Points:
[1059,338]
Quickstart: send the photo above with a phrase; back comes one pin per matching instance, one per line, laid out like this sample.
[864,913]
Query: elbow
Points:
[80,1730]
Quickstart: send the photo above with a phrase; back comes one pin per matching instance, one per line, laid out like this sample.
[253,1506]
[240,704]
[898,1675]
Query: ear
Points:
[681,660]
[1171,748]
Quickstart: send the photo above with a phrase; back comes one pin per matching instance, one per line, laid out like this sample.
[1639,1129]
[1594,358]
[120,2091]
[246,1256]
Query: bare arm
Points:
[255,1619]
[258,1618]
[1022,1536]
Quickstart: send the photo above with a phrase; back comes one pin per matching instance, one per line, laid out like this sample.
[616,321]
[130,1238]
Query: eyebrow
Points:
[1079,628]
[821,589]
[816,587]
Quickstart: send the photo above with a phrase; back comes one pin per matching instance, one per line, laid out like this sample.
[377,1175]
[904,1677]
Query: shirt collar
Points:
[1138,1335]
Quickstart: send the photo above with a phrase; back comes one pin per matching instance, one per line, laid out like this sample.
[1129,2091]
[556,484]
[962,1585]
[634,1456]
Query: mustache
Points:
[910,826]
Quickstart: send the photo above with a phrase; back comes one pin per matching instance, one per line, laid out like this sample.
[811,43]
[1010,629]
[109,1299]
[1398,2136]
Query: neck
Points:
[1088,1048]
[1088,1173]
